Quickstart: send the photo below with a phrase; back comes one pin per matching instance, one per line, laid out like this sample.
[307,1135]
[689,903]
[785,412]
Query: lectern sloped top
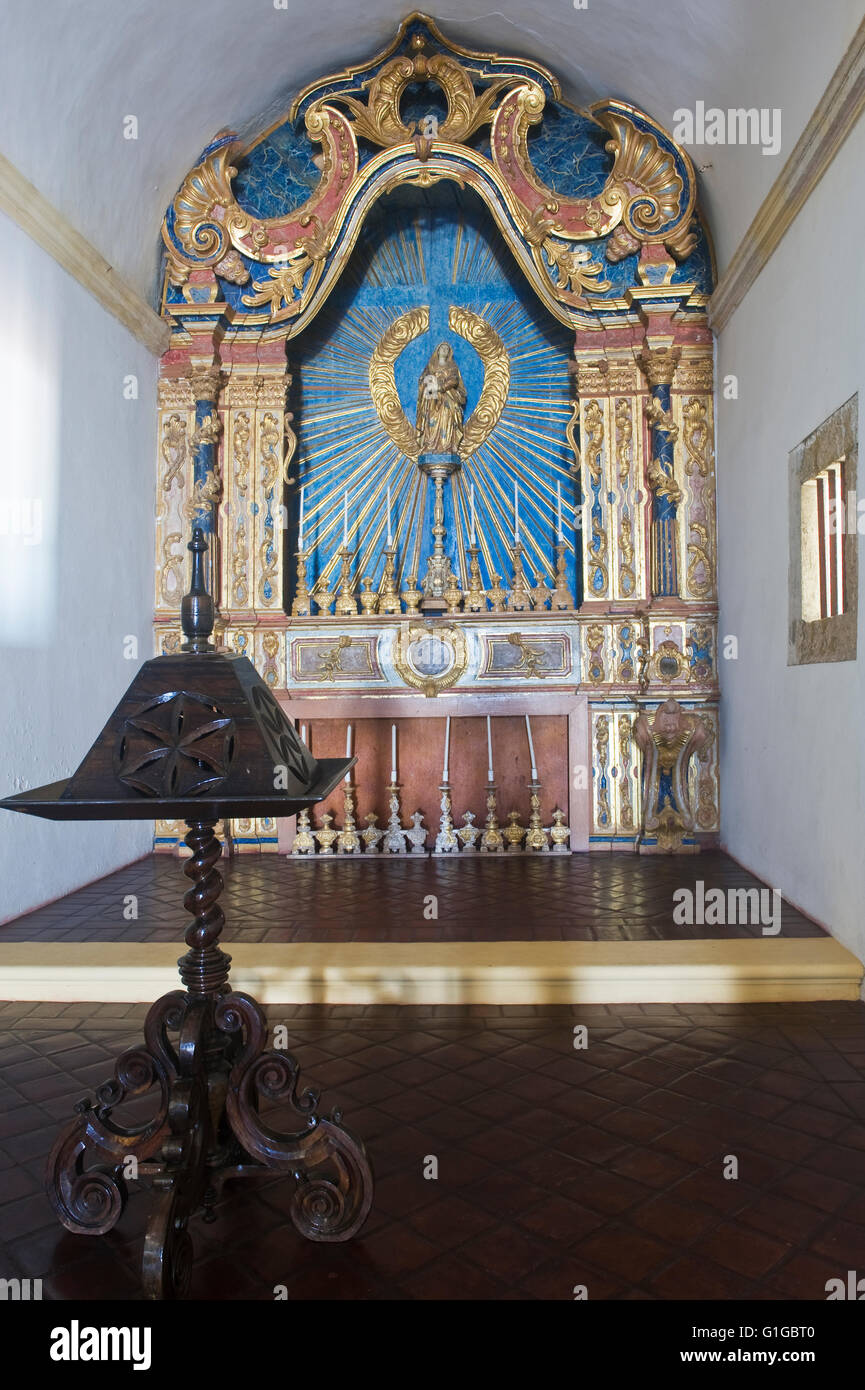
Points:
[197,736]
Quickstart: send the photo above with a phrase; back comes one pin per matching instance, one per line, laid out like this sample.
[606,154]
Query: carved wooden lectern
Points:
[199,737]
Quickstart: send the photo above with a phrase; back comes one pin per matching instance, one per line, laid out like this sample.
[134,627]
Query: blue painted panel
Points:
[437,248]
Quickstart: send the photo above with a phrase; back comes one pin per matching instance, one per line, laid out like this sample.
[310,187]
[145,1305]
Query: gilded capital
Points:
[658,365]
[206,383]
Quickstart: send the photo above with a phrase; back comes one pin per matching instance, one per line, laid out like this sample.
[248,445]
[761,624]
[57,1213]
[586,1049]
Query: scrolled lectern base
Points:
[203,1061]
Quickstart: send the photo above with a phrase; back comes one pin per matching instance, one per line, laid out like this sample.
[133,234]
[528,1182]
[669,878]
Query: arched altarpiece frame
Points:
[599,211]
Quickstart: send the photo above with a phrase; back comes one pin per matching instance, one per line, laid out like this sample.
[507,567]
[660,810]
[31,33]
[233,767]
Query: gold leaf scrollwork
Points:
[602,746]
[382,384]
[572,268]
[174,450]
[530,657]
[379,120]
[240,586]
[240,450]
[626,810]
[497,376]
[171,575]
[593,440]
[700,556]
[270,439]
[696,436]
[205,494]
[330,661]
[641,164]
[624,437]
[282,290]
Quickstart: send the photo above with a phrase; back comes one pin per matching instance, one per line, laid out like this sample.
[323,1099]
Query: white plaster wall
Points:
[793,738]
[77,579]
[70,74]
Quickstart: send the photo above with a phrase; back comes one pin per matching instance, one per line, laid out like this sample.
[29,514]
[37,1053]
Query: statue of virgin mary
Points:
[441,397]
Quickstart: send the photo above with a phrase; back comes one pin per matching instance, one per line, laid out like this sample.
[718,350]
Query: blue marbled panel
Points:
[567,151]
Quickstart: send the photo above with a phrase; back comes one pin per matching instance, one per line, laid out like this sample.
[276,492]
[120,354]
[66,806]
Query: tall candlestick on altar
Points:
[531,750]
[345,519]
[389,535]
[447,748]
[300,526]
[393,755]
[489,751]
[472,496]
[348,750]
[516,515]
[303,733]
[561,535]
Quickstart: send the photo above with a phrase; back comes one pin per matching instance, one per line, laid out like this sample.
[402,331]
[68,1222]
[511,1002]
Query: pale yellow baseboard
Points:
[452,972]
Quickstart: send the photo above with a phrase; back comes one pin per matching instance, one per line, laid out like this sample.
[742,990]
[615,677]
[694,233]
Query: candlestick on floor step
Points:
[469,833]
[394,838]
[536,838]
[348,841]
[491,840]
[514,833]
[304,842]
[326,835]
[301,607]
[446,840]
[372,835]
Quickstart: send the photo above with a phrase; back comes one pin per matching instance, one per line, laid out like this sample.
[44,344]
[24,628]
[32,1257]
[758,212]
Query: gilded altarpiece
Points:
[436,196]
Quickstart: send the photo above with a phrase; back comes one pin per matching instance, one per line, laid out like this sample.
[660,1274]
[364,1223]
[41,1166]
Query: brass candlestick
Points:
[497,596]
[560,834]
[475,599]
[469,833]
[301,607]
[563,599]
[389,598]
[541,594]
[514,833]
[411,594]
[446,840]
[372,835]
[303,840]
[368,596]
[326,835]
[417,833]
[346,604]
[491,840]
[536,837]
[394,837]
[348,840]
[453,594]
[324,600]
[520,598]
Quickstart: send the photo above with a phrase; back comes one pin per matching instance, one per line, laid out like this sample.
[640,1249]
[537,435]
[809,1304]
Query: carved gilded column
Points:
[201,509]
[659,366]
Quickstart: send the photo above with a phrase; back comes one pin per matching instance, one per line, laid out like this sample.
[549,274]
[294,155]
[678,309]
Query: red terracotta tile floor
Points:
[579,897]
[606,1167]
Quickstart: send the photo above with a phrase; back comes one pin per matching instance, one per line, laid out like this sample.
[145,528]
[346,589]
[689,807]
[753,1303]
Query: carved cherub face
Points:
[667,720]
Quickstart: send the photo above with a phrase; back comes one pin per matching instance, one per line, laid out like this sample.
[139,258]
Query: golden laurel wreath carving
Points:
[497,377]
[382,385]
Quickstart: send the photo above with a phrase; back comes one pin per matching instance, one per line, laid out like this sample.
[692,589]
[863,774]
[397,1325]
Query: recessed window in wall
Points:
[823,535]
[823,516]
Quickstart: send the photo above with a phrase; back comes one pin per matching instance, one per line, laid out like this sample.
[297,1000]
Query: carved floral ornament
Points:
[289,263]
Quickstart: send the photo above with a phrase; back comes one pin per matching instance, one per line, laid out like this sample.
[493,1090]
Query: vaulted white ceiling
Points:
[71,70]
